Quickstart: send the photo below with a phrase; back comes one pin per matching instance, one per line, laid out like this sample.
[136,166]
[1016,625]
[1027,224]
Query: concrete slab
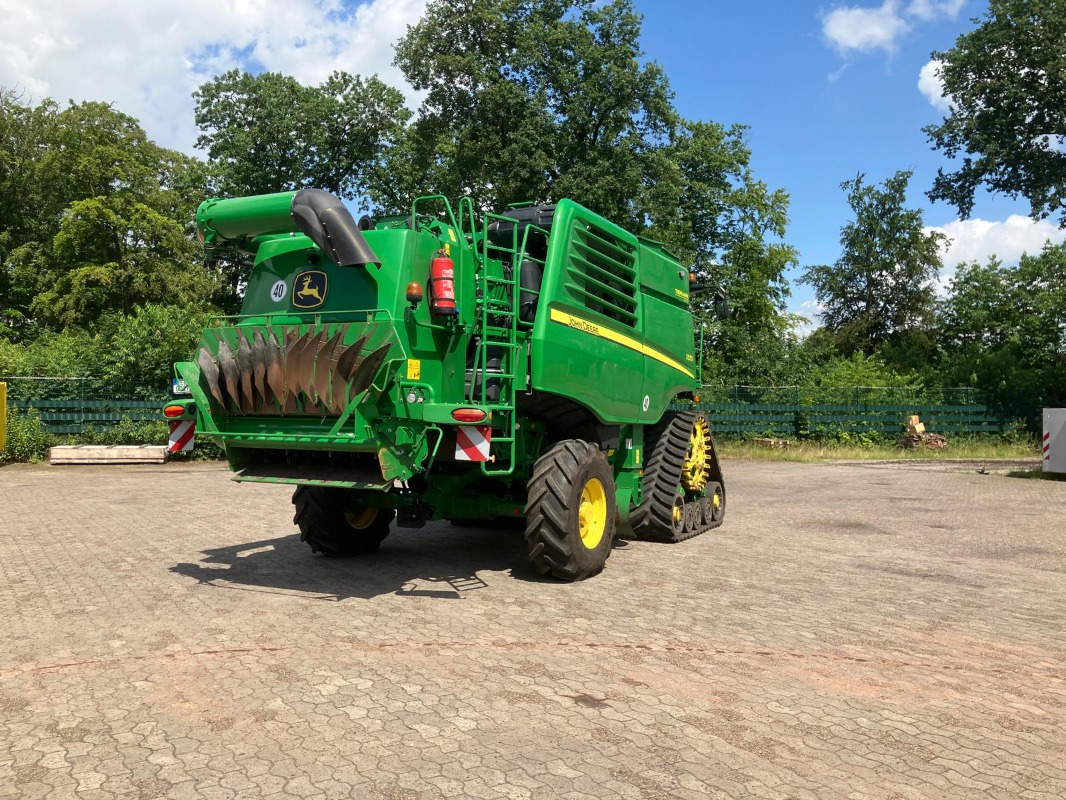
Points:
[108,454]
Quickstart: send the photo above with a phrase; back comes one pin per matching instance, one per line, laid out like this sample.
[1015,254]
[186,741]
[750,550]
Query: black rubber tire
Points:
[323,525]
[553,502]
[719,515]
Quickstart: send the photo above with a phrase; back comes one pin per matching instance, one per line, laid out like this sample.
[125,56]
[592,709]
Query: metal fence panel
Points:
[794,411]
[68,405]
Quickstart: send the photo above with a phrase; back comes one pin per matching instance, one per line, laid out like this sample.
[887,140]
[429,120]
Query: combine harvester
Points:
[428,366]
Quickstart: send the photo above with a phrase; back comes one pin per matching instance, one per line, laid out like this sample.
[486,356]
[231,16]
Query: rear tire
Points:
[333,527]
[570,511]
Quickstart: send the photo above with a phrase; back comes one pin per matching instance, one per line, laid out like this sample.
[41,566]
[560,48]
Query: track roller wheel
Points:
[679,517]
[334,526]
[713,504]
[570,511]
[693,517]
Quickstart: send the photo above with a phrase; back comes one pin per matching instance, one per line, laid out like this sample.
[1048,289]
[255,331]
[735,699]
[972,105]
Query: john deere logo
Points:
[309,289]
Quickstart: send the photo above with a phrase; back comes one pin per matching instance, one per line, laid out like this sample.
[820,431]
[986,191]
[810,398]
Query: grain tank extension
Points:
[444,364]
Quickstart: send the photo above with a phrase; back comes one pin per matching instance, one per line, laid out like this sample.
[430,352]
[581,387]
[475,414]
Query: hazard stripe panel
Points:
[472,442]
[182,435]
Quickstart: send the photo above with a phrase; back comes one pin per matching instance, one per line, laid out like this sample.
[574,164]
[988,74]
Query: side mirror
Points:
[721,304]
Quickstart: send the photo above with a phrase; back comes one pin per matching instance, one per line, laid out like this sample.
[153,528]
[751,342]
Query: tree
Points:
[708,207]
[1006,81]
[269,133]
[881,287]
[531,101]
[1003,329]
[96,218]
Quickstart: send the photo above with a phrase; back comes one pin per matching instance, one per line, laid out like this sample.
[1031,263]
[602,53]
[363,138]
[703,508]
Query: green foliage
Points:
[530,101]
[143,258]
[1006,81]
[1004,329]
[143,347]
[860,370]
[117,351]
[126,432]
[94,218]
[67,353]
[270,133]
[26,440]
[880,288]
[754,355]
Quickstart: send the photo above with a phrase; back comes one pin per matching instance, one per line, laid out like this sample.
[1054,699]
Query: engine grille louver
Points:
[310,373]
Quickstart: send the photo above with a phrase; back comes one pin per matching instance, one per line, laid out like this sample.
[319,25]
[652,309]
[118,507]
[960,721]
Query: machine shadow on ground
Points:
[440,561]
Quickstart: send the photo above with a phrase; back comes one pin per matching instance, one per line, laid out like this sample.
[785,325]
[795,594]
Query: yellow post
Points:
[3,413]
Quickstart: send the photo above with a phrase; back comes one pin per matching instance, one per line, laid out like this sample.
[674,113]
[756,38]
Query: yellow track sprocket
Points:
[696,470]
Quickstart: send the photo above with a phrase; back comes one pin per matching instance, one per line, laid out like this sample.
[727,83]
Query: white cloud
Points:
[880,28]
[931,85]
[857,28]
[148,57]
[811,311]
[930,10]
[979,239]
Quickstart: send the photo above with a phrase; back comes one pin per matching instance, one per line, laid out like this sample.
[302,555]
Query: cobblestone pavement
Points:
[850,632]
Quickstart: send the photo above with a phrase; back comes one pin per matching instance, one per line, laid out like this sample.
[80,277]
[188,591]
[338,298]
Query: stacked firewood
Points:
[917,437]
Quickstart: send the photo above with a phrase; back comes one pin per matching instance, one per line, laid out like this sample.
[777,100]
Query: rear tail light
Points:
[469,415]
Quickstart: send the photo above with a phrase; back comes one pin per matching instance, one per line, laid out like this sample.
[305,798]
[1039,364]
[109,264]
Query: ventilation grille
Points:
[602,273]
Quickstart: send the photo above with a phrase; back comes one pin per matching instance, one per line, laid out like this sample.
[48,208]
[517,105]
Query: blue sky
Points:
[820,112]
[828,89]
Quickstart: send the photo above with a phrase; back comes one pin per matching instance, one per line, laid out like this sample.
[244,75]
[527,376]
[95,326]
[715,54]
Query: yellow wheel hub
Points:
[696,469]
[361,520]
[592,513]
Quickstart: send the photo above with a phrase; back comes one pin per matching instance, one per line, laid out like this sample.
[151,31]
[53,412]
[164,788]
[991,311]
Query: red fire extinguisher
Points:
[442,284]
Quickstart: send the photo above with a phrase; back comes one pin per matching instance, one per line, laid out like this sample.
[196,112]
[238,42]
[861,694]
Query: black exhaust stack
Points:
[326,222]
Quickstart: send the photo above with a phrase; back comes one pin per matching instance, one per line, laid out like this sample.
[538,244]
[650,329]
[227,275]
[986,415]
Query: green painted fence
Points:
[72,416]
[68,405]
[798,412]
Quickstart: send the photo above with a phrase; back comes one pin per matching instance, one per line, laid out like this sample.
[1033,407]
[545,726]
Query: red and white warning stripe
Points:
[182,435]
[1047,446]
[472,442]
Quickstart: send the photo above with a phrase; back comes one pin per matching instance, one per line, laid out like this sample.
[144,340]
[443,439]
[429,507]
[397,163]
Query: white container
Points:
[1053,445]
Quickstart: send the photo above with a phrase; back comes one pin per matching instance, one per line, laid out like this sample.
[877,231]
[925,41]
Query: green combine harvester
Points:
[467,367]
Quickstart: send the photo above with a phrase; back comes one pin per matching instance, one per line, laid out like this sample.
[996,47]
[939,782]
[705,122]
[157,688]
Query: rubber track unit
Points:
[668,444]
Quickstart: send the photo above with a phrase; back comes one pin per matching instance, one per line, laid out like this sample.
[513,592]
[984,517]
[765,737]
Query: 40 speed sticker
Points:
[278,291]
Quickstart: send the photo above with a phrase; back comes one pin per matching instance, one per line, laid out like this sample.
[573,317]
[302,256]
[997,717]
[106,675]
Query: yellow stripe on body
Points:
[593,329]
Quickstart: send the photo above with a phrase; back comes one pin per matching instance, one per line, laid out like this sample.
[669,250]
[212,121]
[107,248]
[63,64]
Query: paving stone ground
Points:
[851,632]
